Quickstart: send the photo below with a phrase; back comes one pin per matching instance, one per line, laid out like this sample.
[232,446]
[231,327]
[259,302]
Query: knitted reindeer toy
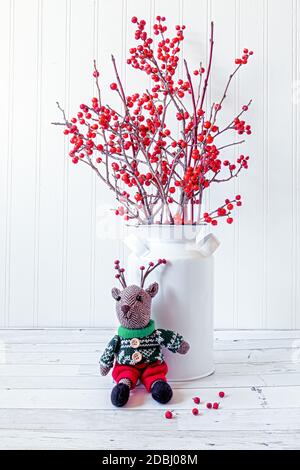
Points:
[135,352]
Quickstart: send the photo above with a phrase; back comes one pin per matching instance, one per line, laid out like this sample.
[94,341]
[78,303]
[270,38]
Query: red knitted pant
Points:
[148,373]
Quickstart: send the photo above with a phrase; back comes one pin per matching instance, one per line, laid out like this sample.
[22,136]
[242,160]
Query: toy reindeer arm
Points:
[183,348]
[108,356]
[173,341]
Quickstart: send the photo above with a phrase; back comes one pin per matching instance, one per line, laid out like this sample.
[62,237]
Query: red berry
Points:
[238,197]
[215,406]
[208,405]
[229,220]
[221,394]
[196,400]
[113,86]
[96,73]
[134,19]
[168,414]
[195,411]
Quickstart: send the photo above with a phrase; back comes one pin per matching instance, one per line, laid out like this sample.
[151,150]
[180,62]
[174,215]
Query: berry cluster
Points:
[241,127]
[159,175]
[245,57]
[162,65]
[223,211]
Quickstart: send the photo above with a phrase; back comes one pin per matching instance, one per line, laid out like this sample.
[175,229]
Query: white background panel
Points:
[55,260]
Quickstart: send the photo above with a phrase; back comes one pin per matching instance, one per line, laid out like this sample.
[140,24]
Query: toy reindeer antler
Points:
[120,276]
[144,272]
[151,267]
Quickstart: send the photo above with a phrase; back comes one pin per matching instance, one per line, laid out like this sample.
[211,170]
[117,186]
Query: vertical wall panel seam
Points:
[181,23]
[209,13]
[206,202]
[238,247]
[180,70]
[298,167]
[235,182]
[37,161]
[65,220]
[268,168]
[122,228]
[295,166]
[208,95]
[151,14]
[151,21]
[9,169]
[264,322]
[92,301]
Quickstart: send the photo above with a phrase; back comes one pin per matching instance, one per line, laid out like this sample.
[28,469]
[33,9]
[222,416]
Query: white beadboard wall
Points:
[54,269]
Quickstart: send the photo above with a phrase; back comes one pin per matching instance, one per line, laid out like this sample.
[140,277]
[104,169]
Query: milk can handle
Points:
[136,245]
[207,245]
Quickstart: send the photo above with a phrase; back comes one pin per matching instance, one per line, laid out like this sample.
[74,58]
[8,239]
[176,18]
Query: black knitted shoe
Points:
[161,392]
[120,394]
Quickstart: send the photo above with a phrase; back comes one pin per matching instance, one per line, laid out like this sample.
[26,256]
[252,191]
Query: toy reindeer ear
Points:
[115,292]
[152,289]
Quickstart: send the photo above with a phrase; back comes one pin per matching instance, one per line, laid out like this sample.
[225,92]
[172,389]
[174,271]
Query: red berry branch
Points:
[158,175]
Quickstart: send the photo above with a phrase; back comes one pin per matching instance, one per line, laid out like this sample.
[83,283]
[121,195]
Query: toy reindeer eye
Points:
[139,298]
[118,298]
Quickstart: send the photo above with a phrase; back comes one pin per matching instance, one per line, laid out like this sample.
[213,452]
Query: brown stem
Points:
[195,111]
[209,64]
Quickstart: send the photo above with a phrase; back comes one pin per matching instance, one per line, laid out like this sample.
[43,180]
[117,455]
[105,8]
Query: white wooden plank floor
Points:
[52,397]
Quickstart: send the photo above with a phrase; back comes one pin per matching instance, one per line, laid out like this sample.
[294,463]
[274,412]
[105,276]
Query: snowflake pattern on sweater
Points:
[120,349]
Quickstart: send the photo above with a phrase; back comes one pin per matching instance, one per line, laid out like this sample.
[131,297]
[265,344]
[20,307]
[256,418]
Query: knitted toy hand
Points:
[104,370]
[184,347]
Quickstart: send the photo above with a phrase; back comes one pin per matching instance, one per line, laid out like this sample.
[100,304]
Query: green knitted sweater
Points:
[139,346]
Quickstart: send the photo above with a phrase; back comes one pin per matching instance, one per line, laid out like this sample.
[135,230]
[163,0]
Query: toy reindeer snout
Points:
[125,308]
